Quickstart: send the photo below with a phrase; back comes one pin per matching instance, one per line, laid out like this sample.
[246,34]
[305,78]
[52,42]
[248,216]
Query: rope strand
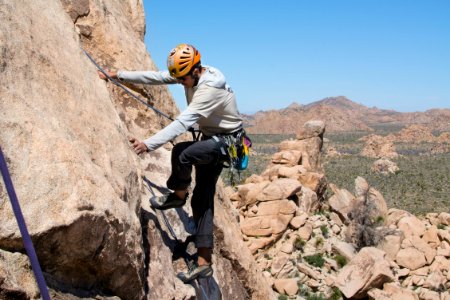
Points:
[23,229]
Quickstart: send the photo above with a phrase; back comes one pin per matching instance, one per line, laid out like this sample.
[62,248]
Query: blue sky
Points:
[392,54]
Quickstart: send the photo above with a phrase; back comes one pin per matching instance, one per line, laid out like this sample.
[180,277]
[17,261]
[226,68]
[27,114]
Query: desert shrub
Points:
[316,297]
[336,294]
[299,243]
[365,227]
[340,260]
[319,242]
[303,289]
[282,297]
[315,260]
[324,230]
[379,220]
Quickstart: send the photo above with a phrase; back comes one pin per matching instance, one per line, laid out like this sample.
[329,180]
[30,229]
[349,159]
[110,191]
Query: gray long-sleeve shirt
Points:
[211,104]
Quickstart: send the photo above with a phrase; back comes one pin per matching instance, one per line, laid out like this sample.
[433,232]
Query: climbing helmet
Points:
[181,59]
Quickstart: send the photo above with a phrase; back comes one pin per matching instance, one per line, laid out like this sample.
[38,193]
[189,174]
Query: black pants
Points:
[206,156]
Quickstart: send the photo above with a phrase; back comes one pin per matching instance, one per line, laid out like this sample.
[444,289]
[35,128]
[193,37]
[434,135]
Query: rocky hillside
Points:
[342,114]
[64,133]
[84,193]
[349,246]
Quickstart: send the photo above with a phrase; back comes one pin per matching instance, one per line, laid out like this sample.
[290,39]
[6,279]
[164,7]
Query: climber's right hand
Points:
[111,74]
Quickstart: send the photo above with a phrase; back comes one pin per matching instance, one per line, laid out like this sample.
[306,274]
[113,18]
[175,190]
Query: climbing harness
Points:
[115,82]
[180,247]
[23,229]
[238,148]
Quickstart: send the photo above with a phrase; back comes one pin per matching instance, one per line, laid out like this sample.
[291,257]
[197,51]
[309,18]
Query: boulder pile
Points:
[348,245]
[378,147]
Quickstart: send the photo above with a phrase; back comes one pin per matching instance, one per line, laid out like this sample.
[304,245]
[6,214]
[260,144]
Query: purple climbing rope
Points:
[23,229]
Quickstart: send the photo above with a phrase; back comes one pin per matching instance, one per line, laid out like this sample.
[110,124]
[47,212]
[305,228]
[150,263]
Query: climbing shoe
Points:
[167,201]
[198,272]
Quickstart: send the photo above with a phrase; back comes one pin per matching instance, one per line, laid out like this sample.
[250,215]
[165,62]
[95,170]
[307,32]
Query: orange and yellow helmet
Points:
[181,59]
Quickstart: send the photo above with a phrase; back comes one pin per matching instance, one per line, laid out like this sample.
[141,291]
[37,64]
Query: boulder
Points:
[368,269]
[289,157]
[391,244]
[314,181]
[384,166]
[310,149]
[411,225]
[342,202]
[361,187]
[286,286]
[291,171]
[395,215]
[298,221]
[266,225]
[248,192]
[379,207]
[378,147]
[305,232]
[282,207]
[16,278]
[278,263]
[421,245]
[307,200]
[345,249]
[279,189]
[392,291]
[431,236]
[313,128]
[410,258]
[444,218]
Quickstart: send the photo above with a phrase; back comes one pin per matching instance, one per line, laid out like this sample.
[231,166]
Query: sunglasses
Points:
[182,79]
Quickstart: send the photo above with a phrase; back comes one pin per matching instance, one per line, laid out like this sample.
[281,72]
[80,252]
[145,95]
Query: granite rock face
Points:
[65,133]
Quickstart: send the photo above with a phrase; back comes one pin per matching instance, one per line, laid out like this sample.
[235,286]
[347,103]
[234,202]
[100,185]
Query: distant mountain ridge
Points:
[341,114]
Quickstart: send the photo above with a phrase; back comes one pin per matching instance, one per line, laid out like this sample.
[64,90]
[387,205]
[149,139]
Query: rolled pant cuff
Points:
[204,241]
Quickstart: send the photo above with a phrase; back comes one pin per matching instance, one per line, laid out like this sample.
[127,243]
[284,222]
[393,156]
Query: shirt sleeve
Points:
[146,77]
[179,126]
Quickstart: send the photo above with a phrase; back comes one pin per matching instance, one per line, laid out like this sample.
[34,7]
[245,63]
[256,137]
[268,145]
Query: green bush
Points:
[340,260]
[316,297]
[336,295]
[324,230]
[315,260]
[379,220]
[282,297]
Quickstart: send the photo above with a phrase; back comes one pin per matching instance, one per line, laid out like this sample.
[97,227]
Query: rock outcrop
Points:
[378,147]
[82,190]
[348,245]
[384,166]
[64,133]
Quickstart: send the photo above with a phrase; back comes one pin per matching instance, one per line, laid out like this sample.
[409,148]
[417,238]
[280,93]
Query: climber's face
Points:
[191,79]
[187,81]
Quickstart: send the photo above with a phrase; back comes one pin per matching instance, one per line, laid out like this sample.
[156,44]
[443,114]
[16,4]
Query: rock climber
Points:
[211,105]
